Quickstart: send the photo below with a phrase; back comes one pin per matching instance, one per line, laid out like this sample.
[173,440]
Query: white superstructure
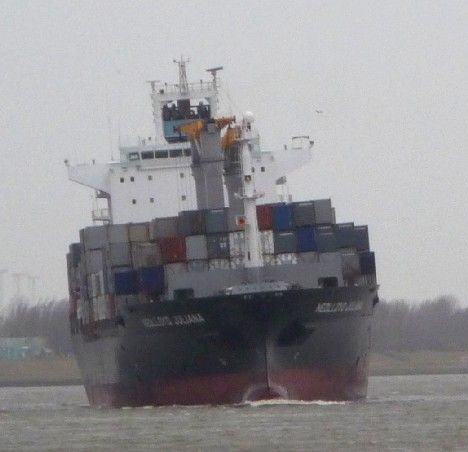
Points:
[155,179]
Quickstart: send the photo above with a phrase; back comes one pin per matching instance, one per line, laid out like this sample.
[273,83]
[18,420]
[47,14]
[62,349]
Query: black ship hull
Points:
[297,344]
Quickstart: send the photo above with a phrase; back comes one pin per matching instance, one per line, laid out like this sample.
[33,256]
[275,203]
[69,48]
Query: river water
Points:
[426,413]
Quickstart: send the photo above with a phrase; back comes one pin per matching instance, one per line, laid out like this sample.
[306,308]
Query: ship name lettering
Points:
[340,307]
[175,320]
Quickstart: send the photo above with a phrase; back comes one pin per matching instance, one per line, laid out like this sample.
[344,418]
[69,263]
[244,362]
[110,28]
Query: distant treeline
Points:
[46,319]
[439,324]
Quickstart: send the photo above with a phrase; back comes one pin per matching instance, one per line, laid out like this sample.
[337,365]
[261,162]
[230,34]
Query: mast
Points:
[214,74]
[183,83]
[253,256]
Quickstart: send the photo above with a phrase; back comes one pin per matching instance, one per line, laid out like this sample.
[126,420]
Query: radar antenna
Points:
[183,83]
[214,73]
[153,84]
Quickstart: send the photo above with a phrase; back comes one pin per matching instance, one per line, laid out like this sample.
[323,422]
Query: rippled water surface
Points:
[401,413]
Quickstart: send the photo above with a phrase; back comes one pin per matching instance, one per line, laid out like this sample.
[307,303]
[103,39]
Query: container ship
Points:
[201,281]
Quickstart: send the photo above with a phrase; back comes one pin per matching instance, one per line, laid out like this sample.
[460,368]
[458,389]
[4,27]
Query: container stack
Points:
[306,232]
[135,262]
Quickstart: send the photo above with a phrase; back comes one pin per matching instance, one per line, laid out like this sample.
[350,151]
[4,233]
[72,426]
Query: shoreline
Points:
[63,371]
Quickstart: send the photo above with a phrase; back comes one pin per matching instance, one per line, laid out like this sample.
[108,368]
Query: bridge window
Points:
[175,153]
[262,169]
[132,179]
[147,155]
[122,180]
[182,175]
[133,156]
[184,197]
[150,177]
[151,200]
[133,201]
[161,154]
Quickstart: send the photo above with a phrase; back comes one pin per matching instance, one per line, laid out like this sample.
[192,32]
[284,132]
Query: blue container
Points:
[367,263]
[306,239]
[126,283]
[283,217]
[152,279]
[216,221]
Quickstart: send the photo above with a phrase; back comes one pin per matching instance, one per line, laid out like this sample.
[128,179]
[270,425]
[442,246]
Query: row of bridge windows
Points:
[149,177]
[162,154]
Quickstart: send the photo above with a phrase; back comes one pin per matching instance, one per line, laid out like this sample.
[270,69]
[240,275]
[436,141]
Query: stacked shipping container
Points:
[123,262]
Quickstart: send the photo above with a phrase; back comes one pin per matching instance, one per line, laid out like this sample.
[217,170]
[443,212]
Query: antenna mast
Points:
[183,83]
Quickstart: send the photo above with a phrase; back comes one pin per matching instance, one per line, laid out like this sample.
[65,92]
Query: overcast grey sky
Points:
[391,145]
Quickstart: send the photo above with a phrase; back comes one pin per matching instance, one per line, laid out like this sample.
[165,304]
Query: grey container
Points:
[218,246]
[94,261]
[326,241]
[308,257]
[285,242]
[304,213]
[216,221]
[118,255]
[323,211]
[138,232]
[94,237]
[146,254]
[361,237]
[344,233]
[191,222]
[75,254]
[117,233]
[196,247]
[164,227]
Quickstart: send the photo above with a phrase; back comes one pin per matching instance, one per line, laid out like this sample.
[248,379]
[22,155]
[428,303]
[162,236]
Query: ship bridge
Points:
[154,177]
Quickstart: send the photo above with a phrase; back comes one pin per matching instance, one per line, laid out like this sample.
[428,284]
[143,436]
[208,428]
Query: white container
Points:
[237,244]
[350,265]
[198,266]
[267,242]
[269,260]
[219,264]
[237,262]
[196,247]
[175,269]
[286,258]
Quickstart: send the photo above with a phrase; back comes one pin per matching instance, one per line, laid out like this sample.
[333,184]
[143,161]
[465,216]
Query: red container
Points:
[111,306]
[265,217]
[173,249]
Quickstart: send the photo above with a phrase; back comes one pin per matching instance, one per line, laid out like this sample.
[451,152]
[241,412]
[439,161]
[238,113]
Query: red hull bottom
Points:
[291,384]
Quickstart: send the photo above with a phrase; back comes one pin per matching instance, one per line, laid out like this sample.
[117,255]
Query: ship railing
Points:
[100,214]
[192,87]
